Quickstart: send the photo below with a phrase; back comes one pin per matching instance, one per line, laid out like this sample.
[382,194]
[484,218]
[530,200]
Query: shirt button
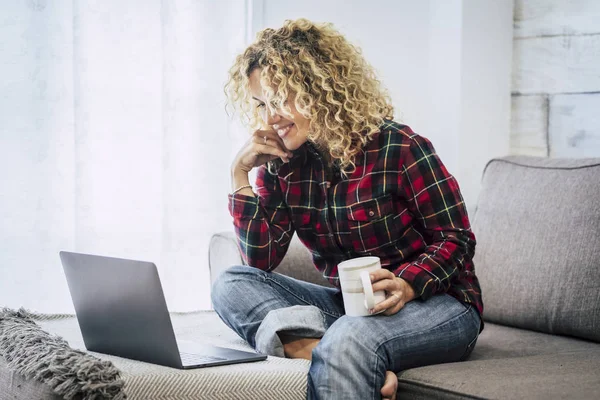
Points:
[371,213]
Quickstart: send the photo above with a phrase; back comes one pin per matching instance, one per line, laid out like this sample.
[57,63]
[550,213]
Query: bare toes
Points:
[388,391]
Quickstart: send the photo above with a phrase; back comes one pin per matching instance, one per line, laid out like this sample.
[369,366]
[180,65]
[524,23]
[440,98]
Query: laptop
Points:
[121,310]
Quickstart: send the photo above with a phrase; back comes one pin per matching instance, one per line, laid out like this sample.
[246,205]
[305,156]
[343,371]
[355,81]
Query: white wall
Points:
[114,140]
[36,152]
[446,64]
[484,128]
[556,78]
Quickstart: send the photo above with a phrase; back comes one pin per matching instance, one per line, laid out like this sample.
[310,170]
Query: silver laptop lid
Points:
[121,308]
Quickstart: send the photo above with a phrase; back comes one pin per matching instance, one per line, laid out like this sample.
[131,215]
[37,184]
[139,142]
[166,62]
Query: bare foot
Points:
[298,347]
[388,391]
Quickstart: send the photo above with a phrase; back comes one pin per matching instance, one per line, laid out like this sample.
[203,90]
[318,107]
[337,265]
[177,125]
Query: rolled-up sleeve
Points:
[262,224]
[433,196]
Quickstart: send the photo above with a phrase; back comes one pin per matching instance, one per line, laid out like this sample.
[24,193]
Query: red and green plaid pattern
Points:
[400,204]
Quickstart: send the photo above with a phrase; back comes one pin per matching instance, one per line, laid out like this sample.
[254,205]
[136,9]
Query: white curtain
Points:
[114,140]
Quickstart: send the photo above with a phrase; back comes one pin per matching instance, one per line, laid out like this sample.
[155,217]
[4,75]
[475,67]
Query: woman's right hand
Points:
[262,147]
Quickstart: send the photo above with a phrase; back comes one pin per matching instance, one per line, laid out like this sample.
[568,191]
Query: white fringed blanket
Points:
[275,378]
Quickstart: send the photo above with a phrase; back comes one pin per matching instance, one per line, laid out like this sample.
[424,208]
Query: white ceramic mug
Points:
[357,289]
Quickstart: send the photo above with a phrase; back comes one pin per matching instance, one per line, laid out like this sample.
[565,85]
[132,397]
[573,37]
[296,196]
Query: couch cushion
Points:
[538,244]
[500,348]
[570,375]
[497,341]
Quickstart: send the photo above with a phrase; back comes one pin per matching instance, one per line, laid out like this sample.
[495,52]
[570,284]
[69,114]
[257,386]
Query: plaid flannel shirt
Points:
[400,204]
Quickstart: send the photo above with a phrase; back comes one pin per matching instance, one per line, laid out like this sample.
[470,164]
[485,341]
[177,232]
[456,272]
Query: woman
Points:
[334,168]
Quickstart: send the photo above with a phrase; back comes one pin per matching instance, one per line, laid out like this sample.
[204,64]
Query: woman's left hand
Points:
[398,291]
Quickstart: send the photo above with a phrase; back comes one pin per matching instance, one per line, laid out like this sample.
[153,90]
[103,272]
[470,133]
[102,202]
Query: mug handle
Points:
[365,278]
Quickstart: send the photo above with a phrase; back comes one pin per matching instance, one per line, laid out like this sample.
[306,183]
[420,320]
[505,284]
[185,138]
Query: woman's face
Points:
[293,129]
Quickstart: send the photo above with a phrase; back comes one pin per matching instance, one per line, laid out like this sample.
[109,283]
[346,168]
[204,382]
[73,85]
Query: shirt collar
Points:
[307,151]
[303,153]
[300,157]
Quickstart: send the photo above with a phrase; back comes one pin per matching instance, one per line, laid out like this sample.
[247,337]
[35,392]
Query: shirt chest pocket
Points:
[373,224]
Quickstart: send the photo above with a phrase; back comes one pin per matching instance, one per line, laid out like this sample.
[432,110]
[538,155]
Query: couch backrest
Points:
[224,253]
[298,264]
[537,257]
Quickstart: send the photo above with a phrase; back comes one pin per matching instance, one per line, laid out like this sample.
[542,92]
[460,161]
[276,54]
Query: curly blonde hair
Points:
[333,86]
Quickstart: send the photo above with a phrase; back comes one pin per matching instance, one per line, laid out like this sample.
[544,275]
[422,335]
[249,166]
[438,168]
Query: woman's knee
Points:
[346,354]
[345,339]
[230,282]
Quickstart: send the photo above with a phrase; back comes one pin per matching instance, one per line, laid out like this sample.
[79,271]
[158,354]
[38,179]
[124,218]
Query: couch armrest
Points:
[224,252]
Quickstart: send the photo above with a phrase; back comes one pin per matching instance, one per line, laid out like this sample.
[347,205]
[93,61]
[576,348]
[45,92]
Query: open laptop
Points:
[122,311]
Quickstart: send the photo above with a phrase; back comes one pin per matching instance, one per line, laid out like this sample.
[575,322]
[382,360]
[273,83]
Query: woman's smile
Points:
[283,130]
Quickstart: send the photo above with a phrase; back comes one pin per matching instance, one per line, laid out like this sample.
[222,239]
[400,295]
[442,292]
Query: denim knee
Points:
[344,341]
[226,285]
[345,355]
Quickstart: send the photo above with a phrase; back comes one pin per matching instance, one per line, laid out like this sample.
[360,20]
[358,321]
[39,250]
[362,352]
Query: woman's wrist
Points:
[240,183]
[407,289]
[239,178]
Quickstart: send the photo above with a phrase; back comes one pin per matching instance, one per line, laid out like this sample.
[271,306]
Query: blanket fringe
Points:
[36,354]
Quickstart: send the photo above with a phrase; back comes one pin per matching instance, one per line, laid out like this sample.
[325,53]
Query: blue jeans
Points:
[354,353]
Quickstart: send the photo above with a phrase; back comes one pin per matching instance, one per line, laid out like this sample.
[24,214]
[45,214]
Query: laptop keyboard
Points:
[197,359]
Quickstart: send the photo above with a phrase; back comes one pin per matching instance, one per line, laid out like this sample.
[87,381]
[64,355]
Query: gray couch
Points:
[538,259]
[537,225]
